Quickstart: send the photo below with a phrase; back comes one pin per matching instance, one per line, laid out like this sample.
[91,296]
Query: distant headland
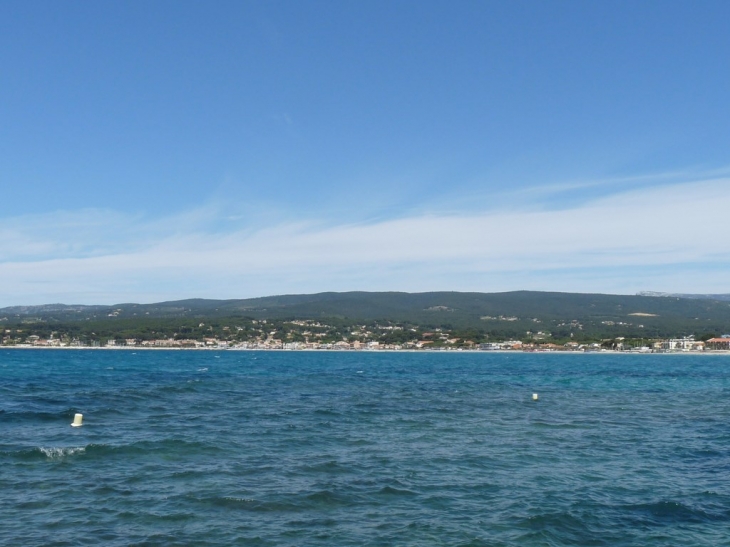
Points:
[445,321]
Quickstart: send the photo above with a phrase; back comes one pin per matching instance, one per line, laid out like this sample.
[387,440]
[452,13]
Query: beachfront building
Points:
[682,344]
[490,347]
[722,343]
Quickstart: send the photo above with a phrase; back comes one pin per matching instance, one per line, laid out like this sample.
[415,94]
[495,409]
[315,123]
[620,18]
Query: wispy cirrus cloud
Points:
[658,237]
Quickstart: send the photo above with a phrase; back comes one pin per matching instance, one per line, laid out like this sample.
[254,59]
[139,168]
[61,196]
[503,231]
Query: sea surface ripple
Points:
[357,448]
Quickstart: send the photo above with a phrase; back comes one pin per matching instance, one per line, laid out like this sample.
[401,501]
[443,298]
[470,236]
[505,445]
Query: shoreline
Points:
[449,351]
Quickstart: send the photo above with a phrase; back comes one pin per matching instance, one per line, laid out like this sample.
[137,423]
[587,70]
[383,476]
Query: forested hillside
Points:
[517,314]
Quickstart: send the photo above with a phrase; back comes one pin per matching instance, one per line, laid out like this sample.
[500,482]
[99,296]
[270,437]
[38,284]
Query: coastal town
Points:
[443,321]
[305,335]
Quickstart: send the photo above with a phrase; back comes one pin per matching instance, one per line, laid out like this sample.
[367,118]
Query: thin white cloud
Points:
[572,193]
[664,238]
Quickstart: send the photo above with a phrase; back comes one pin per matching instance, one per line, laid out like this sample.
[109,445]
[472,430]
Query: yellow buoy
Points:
[78,419]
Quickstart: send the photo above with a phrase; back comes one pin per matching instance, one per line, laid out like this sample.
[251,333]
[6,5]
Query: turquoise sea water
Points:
[295,449]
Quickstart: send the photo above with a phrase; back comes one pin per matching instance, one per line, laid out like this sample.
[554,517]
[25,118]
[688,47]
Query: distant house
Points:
[718,343]
[490,347]
[682,344]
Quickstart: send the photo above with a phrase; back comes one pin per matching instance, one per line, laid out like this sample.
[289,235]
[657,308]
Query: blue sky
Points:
[162,150]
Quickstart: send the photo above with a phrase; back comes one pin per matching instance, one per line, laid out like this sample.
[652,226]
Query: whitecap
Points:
[55,453]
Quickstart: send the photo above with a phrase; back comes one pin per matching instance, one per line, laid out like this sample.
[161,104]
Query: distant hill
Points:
[506,313]
[724,297]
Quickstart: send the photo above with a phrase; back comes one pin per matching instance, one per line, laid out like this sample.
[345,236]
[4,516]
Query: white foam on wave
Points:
[55,453]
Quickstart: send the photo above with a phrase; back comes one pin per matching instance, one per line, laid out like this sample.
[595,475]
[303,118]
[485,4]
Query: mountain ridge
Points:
[511,313]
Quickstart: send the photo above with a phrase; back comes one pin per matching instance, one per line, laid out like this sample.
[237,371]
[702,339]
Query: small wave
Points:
[38,416]
[327,498]
[561,528]
[188,387]
[668,512]
[169,447]
[390,491]
[327,412]
[555,425]
[251,504]
[325,467]
[56,453]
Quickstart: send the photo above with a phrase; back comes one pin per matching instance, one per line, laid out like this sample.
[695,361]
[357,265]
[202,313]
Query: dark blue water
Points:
[278,448]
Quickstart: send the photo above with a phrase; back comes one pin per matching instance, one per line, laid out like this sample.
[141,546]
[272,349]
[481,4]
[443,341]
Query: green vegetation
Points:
[388,318]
